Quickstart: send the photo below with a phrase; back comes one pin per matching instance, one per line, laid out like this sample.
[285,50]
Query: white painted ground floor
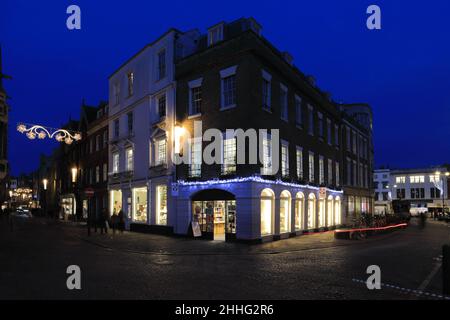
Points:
[246,209]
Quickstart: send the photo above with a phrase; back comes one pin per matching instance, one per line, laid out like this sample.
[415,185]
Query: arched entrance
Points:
[311,211]
[330,215]
[215,211]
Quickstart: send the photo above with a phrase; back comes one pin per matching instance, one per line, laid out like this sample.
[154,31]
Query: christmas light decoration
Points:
[252,179]
[36,131]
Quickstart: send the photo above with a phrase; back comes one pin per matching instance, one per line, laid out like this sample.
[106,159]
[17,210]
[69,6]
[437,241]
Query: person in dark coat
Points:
[121,218]
[103,220]
[114,221]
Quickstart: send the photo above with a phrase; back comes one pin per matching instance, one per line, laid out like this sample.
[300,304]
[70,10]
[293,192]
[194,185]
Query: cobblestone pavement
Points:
[34,257]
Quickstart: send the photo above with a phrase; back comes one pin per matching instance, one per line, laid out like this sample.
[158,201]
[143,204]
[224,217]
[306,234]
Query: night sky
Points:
[403,70]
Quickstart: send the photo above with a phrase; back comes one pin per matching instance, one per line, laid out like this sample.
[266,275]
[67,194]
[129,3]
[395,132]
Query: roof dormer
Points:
[215,34]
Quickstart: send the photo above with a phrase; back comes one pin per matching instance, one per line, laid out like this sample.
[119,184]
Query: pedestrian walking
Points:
[104,222]
[121,218]
[114,221]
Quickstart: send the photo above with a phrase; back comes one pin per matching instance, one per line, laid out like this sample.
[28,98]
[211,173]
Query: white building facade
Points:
[383,194]
[141,129]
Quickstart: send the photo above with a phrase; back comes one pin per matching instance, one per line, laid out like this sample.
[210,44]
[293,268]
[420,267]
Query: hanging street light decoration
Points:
[39,132]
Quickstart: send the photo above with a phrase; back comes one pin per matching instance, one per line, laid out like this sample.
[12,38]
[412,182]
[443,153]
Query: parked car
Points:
[23,213]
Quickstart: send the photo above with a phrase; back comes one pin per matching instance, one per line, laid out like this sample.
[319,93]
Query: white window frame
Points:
[321,170]
[225,73]
[219,29]
[267,105]
[285,162]
[298,111]
[129,165]
[311,164]
[299,162]
[194,84]
[116,162]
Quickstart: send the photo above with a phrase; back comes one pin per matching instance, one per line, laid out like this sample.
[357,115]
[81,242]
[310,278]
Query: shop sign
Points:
[89,192]
[322,193]
[196,231]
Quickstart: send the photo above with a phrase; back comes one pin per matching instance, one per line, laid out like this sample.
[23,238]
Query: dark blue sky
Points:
[403,71]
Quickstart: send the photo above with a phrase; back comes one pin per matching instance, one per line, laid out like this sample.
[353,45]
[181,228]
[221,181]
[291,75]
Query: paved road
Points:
[35,255]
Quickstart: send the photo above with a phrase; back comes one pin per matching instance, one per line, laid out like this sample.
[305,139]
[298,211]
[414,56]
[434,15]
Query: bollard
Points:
[446,269]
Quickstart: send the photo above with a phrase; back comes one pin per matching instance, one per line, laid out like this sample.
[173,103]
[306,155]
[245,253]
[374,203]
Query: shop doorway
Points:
[215,211]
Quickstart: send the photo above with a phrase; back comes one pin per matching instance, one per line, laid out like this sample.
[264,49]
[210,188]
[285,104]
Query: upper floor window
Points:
[321,170]
[284,102]
[299,158]
[116,162]
[416,179]
[267,156]
[310,120]
[162,105]
[435,178]
[116,91]
[284,159]
[160,152]
[130,159]
[311,167]
[215,34]
[195,166]
[329,131]
[195,97]
[228,87]
[336,135]
[320,118]
[162,64]
[400,179]
[130,77]
[338,181]
[229,156]
[105,139]
[298,111]
[116,128]
[354,142]
[98,143]
[330,172]
[266,90]
[130,119]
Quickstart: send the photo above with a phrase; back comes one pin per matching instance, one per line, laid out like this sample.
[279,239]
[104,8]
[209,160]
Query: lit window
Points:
[160,152]
[400,179]
[435,178]
[285,212]
[140,205]
[229,156]
[311,223]
[116,161]
[299,157]
[416,179]
[267,208]
[311,167]
[195,167]
[299,201]
[267,156]
[284,160]
[321,171]
[161,205]
[130,159]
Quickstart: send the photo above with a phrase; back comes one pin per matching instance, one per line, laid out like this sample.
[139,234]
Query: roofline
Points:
[145,47]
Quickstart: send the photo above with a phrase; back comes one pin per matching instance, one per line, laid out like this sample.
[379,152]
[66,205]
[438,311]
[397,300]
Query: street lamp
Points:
[45,184]
[74,174]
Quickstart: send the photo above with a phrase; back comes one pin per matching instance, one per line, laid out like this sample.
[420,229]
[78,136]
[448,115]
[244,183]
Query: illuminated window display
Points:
[217,217]
[299,204]
[337,211]
[330,218]
[161,205]
[321,213]
[311,211]
[116,201]
[140,205]
[285,210]
[267,208]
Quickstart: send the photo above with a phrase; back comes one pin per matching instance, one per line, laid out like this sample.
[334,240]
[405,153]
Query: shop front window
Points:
[299,201]
[267,207]
[337,211]
[116,201]
[330,218]
[161,205]
[311,211]
[139,205]
[321,213]
[285,206]
[217,217]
